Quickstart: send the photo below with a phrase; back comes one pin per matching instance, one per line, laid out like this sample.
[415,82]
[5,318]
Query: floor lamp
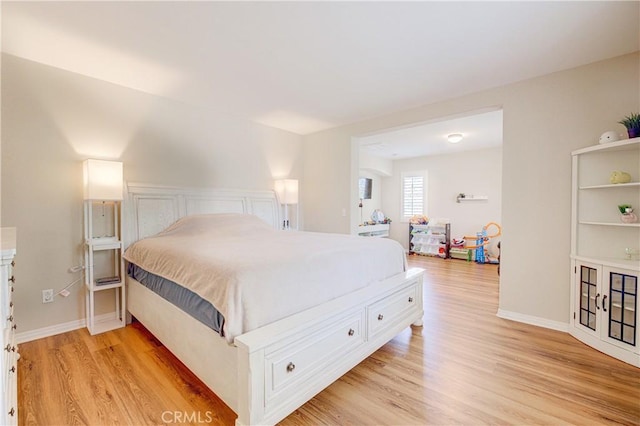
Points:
[287,191]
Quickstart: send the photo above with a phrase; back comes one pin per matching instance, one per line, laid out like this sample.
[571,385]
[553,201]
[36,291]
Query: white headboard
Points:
[148,209]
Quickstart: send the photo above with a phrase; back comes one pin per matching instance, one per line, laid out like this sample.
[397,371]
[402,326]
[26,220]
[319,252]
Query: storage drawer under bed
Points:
[293,365]
[392,310]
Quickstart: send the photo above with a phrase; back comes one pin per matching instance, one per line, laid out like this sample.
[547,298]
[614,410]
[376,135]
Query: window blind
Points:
[412,195]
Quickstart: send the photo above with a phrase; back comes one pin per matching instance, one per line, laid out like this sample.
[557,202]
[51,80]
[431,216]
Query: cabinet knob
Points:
[12,279]
[290,367]
[12,369]
[13,263]
[10,318]
[12,412]
[11,304]
[7,348]
[410,299]
[380,316]
[14,326]
[351,332]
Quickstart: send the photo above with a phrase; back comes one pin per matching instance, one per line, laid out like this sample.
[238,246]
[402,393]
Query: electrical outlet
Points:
[47,296]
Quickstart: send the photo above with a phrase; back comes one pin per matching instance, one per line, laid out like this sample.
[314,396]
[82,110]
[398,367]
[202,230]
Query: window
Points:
[413,194]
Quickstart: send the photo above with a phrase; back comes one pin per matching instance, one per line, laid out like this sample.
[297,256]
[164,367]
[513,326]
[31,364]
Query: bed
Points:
[272,361]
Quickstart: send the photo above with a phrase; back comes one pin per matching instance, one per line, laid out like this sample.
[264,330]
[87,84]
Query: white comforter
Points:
[254,274]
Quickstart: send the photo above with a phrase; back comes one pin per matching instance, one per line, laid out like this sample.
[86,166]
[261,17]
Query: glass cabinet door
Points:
[588,296]
[621,307]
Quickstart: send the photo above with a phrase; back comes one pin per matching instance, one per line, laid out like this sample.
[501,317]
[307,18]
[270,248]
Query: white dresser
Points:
[9,368]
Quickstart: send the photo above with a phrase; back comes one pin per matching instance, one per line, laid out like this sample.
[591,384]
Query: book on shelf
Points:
[107,280]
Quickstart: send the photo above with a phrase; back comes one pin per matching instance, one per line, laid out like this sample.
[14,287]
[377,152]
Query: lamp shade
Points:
[287,191]
[102,180]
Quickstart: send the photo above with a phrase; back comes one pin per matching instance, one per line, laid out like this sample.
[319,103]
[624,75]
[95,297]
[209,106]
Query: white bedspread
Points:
[254,274]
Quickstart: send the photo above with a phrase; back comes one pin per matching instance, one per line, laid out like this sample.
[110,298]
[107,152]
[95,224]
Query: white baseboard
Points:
[28,336]
[537,321]
[52,330]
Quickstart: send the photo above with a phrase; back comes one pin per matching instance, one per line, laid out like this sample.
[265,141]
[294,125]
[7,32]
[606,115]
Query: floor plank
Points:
[465,366]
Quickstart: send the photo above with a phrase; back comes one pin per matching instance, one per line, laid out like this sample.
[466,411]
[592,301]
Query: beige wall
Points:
[544,120]
[53,119]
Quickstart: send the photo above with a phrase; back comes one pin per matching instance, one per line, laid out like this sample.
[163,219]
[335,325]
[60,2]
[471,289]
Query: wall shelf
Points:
[630,225]
[461,198]
[612,185]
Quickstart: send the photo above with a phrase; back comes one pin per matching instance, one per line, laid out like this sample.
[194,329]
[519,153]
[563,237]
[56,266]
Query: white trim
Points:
[537,321]
[52,330]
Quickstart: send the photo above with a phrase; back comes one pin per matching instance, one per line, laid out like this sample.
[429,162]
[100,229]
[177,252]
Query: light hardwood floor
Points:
[465,366]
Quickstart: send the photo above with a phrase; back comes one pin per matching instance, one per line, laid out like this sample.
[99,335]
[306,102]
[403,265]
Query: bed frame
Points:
[271,371]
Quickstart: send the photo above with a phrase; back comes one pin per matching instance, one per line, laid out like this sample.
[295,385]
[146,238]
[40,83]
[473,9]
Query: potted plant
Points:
[632,123]
[628,216]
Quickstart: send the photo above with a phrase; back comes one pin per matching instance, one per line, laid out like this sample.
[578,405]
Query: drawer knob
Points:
[380,316]
[11,304]
[10,318]
[290,367]
[13,348]
[411,300]
[351,332]
[12,279]
[13,263]
[14,326]
[13,369]
[7,348]
[12,412]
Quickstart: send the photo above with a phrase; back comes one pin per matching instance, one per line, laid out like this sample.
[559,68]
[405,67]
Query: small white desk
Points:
[378,230]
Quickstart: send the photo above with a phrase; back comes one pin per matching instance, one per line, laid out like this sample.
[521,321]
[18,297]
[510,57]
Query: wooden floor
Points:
[465,366]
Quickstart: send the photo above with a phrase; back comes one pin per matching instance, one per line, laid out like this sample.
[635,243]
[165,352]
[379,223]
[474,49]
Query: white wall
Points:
[472,172]
[372,164]
[53,119]
[544,119]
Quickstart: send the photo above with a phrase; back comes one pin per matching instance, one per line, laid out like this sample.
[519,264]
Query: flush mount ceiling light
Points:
[454,137]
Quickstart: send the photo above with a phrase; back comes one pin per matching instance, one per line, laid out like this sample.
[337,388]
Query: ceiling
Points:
[480,131]
[309,66]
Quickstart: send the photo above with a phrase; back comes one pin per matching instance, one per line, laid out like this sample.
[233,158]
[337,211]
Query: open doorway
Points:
[462,180]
